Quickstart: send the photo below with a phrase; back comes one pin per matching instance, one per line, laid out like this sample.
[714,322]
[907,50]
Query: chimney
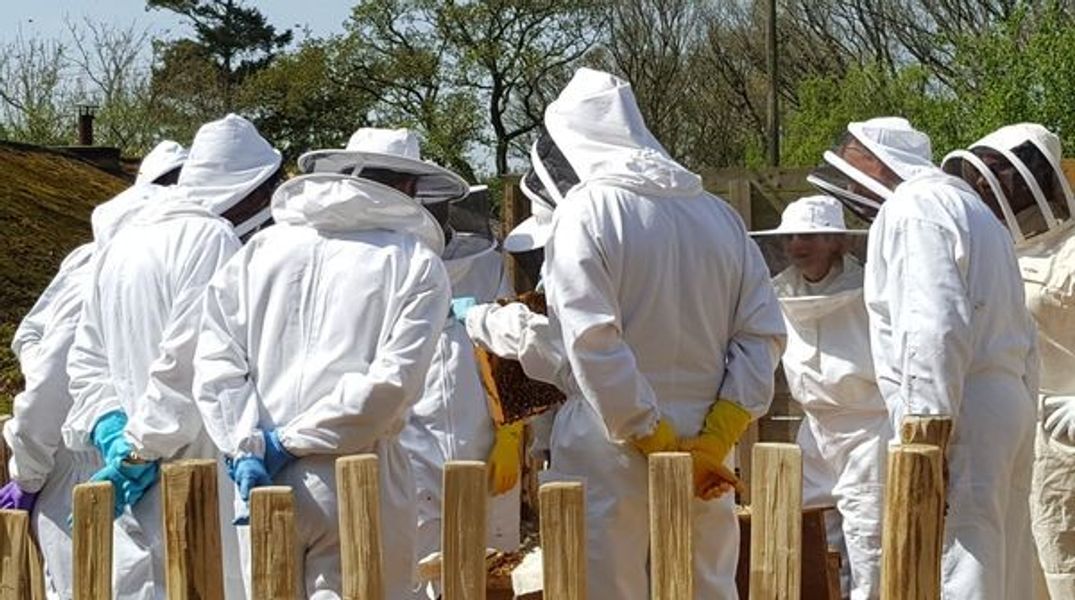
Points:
[85,124]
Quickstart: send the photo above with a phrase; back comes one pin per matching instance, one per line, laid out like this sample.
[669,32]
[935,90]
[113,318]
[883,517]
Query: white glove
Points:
[1058,418]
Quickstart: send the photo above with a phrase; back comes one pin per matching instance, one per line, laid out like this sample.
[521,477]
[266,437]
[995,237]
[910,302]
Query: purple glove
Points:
[13,497]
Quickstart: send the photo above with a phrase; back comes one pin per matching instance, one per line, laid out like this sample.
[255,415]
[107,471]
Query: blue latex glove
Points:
[461,306]
[276,456]
[13,497]
[129,480]
[248,473]
[107,436]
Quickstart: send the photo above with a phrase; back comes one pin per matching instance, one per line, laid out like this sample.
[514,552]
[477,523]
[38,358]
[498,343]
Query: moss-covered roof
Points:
[46,198]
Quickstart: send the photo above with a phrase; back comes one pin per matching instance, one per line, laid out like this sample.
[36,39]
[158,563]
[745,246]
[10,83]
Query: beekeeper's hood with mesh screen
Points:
[870,161]
[228,160]
[545,185]
[341,203]
[395,150]
[164,158]
[1016,170]
[809,216]
[596,123]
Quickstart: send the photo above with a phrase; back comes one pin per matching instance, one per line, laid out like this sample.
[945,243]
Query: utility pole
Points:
[774,108]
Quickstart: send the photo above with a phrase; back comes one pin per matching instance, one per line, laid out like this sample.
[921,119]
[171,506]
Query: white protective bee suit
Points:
[845,433]
[662,302]
[451,419]
[39,460]
[950,336]
[322,328]
[1045,244]
[134,346]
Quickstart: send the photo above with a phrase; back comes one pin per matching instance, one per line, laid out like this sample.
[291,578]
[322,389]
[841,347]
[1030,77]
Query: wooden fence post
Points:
[272,540]
[563,540]
[92,545]
[671,490]
[192,551]
[914,505]
[14,549]
[463,533]
[776,522]
[359,501]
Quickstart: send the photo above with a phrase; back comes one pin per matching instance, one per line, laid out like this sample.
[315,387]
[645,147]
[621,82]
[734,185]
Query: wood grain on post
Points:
[911,542]
[359,501]
[744,456]
[563,540]
[272,541]
[14,550]
[463,533]
[926,429]
[671,491]
[192,552]
[776,522]
[92,545]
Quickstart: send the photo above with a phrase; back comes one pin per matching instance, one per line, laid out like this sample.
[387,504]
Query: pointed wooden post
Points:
[192,551]
[463,534]
[776,522]
[671,491]
[14,547]
[563,540]
[359,502]
[272,538]
[92,545]
[912,539]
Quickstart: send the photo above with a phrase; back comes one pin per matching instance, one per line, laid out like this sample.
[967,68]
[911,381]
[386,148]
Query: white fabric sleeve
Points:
[582,297]
[930,316]
[225,394]
[32,327]
[365,407]
[514,332]
[757,338]
[34,431]
[90,377]
[165,418]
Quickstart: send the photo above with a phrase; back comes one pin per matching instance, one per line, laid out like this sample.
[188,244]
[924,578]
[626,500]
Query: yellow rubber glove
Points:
[724,424]
[505,458]
[663,439]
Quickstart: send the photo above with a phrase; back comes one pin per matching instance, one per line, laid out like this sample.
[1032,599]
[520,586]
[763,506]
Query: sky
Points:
[45,18]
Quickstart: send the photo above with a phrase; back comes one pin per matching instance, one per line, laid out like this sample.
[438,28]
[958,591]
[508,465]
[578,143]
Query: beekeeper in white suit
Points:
[1017,170]
[950,336]
[512,330]
[43,471]
[315,344]
[131,362]
[671,329]
[845,432]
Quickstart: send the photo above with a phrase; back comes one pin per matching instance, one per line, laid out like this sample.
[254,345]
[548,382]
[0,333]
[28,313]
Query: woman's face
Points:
[814,254]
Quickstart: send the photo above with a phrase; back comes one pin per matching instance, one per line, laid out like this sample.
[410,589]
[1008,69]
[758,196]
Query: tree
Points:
[238,39]
[391,54]
[110,71]
[306,99]
[516,54]
[34,102]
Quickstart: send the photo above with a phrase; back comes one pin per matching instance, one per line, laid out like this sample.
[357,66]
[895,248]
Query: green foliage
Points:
[1021,70]
[238,39]
[304,100]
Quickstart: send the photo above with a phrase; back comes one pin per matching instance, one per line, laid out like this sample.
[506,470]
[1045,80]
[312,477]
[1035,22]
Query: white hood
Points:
[110,216]
[163,158]
[342,203]
[228,160]
[597,125]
